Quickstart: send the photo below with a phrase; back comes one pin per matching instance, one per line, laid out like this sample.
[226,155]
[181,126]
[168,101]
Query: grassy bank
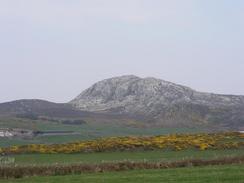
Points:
[7,172]
[210,174]
[45,159]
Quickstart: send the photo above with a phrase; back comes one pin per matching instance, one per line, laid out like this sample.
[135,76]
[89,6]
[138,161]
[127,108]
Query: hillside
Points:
[40,108]
[139,102]
[162,103]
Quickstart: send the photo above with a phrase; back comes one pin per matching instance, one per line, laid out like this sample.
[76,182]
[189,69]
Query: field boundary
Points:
[7,172]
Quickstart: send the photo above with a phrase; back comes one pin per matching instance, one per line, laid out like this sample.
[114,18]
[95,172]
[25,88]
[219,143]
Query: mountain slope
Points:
[134,101]
[39,108]
[162,102]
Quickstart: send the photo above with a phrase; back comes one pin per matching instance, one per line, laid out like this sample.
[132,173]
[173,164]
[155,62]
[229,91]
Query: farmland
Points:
[151,158]
[83,132]
[210,174]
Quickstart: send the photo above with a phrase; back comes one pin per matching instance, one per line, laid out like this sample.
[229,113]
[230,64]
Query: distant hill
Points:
[148,102]
[163,103]
[36,107]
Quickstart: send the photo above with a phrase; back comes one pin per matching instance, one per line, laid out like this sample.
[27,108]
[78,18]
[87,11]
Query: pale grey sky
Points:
[54,49]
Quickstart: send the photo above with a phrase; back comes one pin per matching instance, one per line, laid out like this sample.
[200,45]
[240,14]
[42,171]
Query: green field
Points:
[37,159]
[84,131]
[209,174]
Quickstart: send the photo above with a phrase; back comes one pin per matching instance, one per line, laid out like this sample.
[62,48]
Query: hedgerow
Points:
[57,169]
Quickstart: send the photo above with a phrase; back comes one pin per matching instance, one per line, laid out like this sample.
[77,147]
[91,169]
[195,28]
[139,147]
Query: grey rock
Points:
[161,102]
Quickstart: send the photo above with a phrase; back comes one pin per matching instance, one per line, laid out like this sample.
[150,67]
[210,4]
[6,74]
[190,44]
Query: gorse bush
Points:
[176,142]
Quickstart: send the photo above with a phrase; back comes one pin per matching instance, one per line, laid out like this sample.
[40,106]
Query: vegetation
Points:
[30,116]
[210,174]
[86,131]
[137,156]
[54,170]
[73,122]
[231,140]
[135,153]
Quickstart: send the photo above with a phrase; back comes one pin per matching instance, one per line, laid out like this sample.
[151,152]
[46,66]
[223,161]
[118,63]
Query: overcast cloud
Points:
[54,49]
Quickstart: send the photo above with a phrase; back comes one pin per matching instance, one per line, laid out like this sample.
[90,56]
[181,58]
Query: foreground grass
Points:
[209,174]
[46,159]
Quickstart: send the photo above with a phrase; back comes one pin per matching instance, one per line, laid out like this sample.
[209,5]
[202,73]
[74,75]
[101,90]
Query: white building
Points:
[5,133]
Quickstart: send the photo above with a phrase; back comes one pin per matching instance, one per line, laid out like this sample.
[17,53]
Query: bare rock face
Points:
[160,101]
[130,94]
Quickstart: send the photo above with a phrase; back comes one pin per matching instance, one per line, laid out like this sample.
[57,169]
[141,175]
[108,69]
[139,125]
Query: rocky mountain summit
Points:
[134,101]
[161,102]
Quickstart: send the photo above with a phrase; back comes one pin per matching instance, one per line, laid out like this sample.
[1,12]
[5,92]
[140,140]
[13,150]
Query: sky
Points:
[54,49]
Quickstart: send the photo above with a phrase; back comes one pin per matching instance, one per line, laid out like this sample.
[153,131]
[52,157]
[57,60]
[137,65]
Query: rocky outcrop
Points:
[159,101]
[136,101]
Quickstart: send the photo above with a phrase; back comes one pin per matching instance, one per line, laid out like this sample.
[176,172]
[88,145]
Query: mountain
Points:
[141,102]
[35,107]
[159,102]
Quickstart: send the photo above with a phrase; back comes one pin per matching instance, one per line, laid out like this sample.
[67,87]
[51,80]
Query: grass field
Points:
[85,131]
[37,159]
[209,174]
